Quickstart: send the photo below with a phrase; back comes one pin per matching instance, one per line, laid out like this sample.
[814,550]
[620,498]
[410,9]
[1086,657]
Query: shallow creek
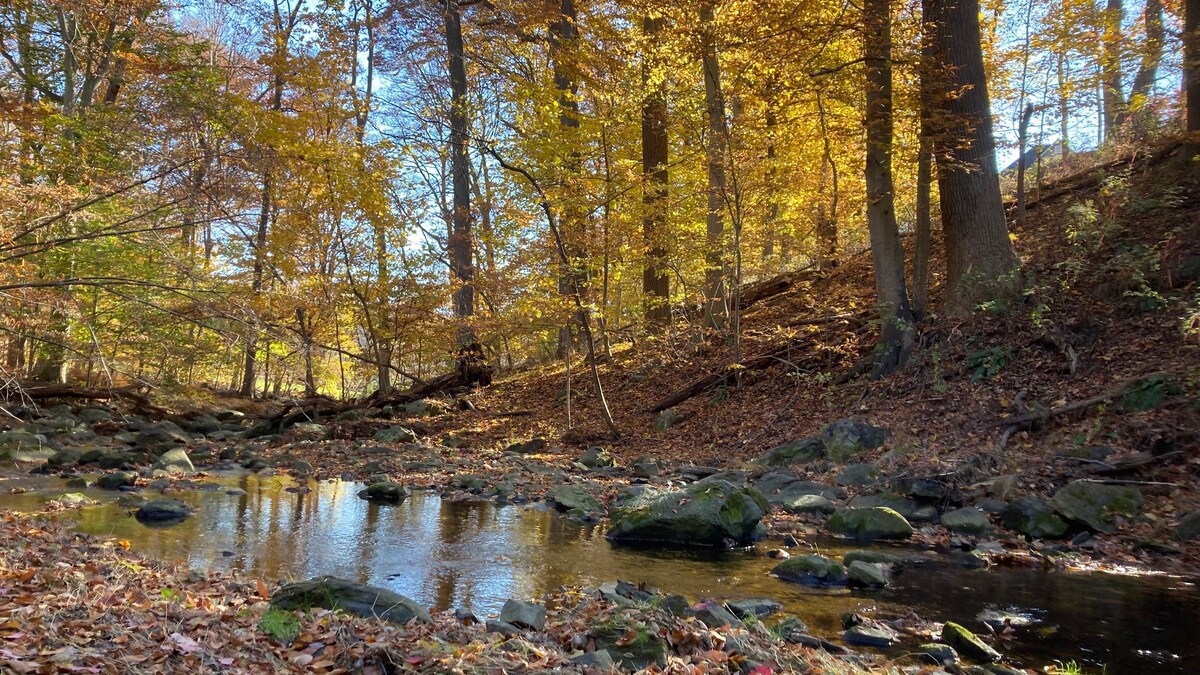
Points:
[476,554]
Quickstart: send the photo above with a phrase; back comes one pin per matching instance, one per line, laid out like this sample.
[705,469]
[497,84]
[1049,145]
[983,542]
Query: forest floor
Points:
[1112,264]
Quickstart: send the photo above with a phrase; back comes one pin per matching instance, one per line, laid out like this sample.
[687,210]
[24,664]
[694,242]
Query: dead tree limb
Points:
[713,380]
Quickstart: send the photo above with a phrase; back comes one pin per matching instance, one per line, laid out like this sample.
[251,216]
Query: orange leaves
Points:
[263,591]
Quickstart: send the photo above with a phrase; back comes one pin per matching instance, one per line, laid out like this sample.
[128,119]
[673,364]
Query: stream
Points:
[476,554]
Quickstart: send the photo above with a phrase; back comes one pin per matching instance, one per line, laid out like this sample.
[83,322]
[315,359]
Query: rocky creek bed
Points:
[858,560]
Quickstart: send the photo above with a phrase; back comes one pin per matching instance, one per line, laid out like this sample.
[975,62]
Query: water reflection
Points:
[475,555]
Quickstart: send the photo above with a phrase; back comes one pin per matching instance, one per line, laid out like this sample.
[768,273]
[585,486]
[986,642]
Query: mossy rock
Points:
[645,648]
[1096,504]
[811,570]
[877,522]
[574,499]
[968,644]
[1147,393]
[968,520]
[360,599]
[1033,516]
[801,451]
[845,439]
[716,514]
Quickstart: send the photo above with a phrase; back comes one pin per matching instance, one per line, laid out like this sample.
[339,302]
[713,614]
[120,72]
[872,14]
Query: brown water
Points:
[454,554]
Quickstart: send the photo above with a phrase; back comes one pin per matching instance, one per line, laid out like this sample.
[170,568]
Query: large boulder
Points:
[709,513]
[385,492]
[16,445]
[160,436]
[967,520]
[1033,516]
[596,457]
[575,500]
[1096,504]
[811,570]
[65,457]
[801,451]
[846,439]
[866,575]
[395,434]
[349,596]
[875,522]
[523,614]
[421,408]
[175,461]
[163,511]
[116,481]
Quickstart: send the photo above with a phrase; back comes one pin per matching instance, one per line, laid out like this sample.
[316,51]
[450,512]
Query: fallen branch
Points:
[41,392]
[1052,412]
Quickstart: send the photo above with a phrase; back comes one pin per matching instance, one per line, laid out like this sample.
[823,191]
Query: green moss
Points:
[282,626]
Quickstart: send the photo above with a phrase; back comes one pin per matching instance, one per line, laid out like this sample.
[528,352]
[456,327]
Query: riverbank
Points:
[76,603]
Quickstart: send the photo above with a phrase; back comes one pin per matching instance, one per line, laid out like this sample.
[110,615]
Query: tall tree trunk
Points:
[1064,108]
[771,224]
[979,256]
[1022,139]
[827,222]
[656,283]
[895,340]
[715,306]
[1191,60]
[1152,53]
[923,225]
[574,277]
[1114,95]
[460,244]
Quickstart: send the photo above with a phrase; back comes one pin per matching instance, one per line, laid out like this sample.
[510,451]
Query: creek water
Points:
[476,554]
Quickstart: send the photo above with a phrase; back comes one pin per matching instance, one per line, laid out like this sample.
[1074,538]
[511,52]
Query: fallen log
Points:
[42,392]
[713,380]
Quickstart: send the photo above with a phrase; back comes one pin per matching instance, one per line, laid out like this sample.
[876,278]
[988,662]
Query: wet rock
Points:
[385,492]
[596,458]
[968,520]
[523,614]
[667,419]
[465,616]
[121,460]
[778,554]
[938,653]
[756,607]
[811,570]
[116,481]
[130,500]
[468,482]
[163,511]
[849,438]
[257,464]
[576,500]
[1096,504]
[79,483]
[302,468]
[1188,528]
[530,447]
[968,644]
[801,451]
[864,635]
[395,434]
[865,575]
[813,642]
[790,625]
[912,510]
[789,492]
[598,660]
[1033,516]
[714,614]
[75,499]
[998,619]
[702,514]
[349,596]
[869,523]
[175,461]
[973,561]
[858,475]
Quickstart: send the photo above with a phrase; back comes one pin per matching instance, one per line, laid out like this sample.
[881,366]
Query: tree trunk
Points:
[1064,110]
[1114,95]
[460,244]
[895,340]
[827,222]
[1022,138]
[715,308]
[1191,60]
[1152,53]
[656,283]
[979,256]
[563,35]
